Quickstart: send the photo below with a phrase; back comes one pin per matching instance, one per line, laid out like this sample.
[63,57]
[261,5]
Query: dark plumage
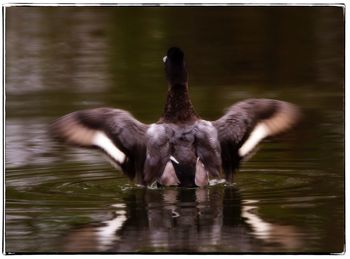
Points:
[180,149]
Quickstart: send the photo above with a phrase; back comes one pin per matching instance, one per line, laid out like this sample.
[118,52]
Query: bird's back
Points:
[185,151]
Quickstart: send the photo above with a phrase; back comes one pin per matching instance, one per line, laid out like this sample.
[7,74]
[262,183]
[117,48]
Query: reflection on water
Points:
[289,197]
[179,220]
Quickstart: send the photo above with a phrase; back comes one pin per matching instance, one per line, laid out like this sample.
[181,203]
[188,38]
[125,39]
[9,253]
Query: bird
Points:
[180,149]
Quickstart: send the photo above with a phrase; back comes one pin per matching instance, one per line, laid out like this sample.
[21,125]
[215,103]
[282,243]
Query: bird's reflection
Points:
[213,219]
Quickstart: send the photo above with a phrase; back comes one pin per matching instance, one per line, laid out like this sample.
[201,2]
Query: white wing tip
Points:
[285,118]
[101,140]
[259,133]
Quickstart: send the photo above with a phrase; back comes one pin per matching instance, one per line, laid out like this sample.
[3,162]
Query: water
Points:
[288,198]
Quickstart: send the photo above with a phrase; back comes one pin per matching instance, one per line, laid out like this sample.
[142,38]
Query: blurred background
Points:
[289,197]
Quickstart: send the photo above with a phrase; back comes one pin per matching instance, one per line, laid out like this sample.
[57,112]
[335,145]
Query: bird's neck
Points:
[178,107]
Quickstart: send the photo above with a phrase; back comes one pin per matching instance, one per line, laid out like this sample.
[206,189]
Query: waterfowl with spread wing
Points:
[180,149]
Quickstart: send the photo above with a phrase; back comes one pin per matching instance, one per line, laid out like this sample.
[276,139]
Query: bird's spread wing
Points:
[248,122]
[116,132]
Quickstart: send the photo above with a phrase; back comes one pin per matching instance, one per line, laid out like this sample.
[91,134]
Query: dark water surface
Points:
[289,197]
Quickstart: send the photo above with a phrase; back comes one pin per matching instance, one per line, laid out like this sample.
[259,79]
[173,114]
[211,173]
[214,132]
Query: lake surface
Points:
[288,198]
